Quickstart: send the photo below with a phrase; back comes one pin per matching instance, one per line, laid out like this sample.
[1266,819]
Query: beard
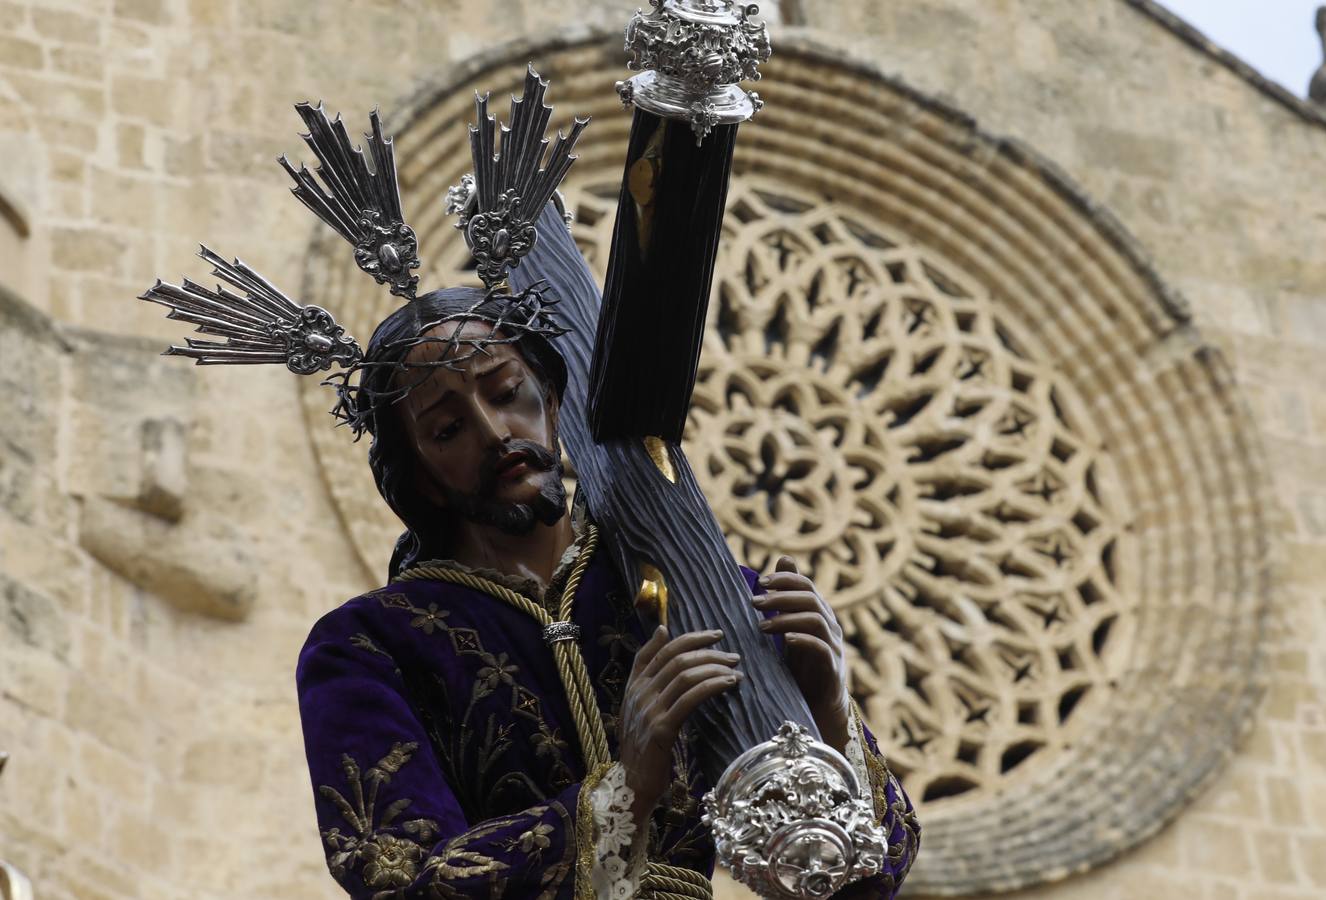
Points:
[483,508]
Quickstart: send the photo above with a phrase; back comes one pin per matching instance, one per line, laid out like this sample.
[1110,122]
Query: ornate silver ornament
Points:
[499,204]
[560,631]
[790,820]
[460,196]
[261,326]
[363,204]
[691,54]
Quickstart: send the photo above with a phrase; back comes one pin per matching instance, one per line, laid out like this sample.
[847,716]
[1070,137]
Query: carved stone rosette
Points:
[691,54]
[789,819]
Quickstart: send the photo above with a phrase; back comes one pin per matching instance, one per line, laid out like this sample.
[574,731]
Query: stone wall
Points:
[166,540]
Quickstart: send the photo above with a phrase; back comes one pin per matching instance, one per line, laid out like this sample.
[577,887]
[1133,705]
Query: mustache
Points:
[537,456]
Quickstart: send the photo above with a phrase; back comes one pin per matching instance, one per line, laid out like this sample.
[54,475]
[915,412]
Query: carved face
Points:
[484,433]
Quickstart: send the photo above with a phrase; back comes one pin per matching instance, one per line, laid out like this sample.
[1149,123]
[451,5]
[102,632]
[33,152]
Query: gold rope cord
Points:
[661,881]
[570,663]
[664,882]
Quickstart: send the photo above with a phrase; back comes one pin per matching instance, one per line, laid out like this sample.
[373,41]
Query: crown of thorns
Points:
[355,191]
[512,317]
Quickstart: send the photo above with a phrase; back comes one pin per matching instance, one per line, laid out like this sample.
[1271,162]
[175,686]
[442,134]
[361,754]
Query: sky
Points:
[1276,37]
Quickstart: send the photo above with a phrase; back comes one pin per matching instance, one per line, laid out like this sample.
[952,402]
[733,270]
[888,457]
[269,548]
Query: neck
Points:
[533,555]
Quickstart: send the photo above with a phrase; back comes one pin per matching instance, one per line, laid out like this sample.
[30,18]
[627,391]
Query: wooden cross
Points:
[626,403]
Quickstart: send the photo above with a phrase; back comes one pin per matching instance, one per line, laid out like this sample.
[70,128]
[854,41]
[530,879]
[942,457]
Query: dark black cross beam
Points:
[633,382]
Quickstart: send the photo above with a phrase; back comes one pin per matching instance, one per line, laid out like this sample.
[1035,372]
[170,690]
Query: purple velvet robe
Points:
[445,761]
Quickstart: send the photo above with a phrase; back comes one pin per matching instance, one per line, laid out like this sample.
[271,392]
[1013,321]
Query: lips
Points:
[510,464]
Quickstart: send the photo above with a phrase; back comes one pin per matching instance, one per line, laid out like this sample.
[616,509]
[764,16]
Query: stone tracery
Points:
[865,410]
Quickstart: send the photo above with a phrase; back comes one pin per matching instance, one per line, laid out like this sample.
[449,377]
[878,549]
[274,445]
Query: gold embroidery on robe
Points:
[384,860]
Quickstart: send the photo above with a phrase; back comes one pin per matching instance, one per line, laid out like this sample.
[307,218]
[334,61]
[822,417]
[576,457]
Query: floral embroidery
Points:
[390,862]
[473,747]
[533,840]
[495,671]
[454,861]
[384,860]
[547,742]
[428,619]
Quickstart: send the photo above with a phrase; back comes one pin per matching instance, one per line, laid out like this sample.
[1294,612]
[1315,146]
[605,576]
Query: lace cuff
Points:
[616,874]
[856,751]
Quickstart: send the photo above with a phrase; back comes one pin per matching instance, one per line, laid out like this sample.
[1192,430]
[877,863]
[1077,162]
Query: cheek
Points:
[530,414]
[451,463]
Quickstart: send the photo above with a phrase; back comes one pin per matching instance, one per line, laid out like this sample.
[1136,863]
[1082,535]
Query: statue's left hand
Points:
[815,650]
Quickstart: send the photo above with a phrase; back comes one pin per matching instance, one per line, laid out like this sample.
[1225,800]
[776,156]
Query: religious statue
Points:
[546,701]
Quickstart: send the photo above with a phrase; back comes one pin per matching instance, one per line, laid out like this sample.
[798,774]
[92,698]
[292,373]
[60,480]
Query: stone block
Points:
[29,555]
[79,62]
[1311,852]
[1275,856]
[99,709]
[183,155]
[1142,155]
[224,761]
[32,618]
[141,843]
[91,873]
[243,154]
[132,406]
[211,13]
[123,200]
[83,814]
[129,146]
[1313,744]
[68,167]
[34,679]
[150,99]
[66,27]
[1216,848]
[18,53]
[64,131]
[111,775]
[87,249]
[154,12]
[1283,801]
[60,98]
[15,15]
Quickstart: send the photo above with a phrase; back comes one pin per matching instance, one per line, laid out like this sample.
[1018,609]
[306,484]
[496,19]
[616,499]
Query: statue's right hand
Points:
[668,680]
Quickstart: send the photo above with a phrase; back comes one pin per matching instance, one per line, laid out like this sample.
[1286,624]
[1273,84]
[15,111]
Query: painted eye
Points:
[508,395]
[447,432]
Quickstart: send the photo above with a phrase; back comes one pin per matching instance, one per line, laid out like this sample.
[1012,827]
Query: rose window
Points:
[865,409]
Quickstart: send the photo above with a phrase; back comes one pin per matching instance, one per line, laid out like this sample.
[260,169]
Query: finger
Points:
[676,667]
[786,564]
[682,643]
[645,654]
[687,702]
[811,623]
[690,678]
[812,647]
[790,601]
[786,581]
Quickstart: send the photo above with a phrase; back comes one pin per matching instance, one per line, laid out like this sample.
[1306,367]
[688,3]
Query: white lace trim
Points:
[856,753]
[616,875]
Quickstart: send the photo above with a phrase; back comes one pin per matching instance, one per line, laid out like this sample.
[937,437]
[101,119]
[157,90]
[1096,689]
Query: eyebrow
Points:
[446,395]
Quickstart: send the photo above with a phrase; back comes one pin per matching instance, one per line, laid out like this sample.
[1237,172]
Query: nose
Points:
[491,426]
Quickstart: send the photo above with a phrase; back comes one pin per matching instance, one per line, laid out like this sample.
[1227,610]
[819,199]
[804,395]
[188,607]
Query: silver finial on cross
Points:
[691,55]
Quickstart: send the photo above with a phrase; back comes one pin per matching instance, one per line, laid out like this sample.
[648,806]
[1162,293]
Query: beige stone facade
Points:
[167,536]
